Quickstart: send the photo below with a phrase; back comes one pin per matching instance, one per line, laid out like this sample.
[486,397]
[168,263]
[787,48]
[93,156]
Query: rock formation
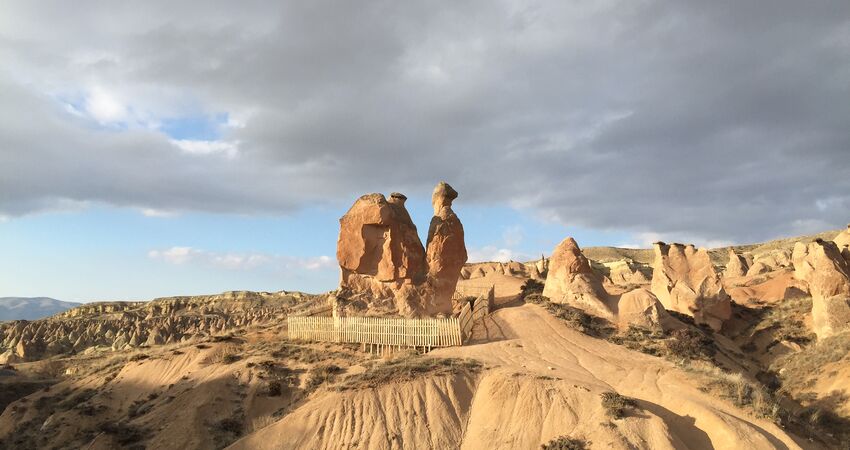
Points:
[624,273]
[821,266]
[737,265]
[380,254]
[446,251]
[843,240]
[641,308]
[118,326]
[684,280]
[571,280]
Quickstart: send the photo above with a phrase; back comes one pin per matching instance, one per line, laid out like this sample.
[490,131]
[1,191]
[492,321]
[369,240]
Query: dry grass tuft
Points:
[408,368]
[565,443]
[617,405]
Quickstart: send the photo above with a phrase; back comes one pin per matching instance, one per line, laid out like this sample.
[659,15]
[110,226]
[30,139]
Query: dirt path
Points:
[527,339]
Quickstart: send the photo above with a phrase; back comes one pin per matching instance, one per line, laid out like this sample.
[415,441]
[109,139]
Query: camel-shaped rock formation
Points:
[380,253]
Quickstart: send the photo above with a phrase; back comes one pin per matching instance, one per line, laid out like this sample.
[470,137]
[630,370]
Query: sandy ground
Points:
[543,380]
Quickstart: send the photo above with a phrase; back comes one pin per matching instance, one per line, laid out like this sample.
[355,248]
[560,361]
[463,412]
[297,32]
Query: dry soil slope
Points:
[543,381]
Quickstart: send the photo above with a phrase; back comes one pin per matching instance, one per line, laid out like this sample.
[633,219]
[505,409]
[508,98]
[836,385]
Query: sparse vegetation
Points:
[123,432]
[230,358]
[616,406]
[565,443]
[321,374]
[139,357]
[530,287]
[690,344]
[406,369]
[574,317]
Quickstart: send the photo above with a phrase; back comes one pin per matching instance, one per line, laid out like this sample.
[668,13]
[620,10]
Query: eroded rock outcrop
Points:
[380,254]
[737,265]
[571,280]
[116,326]
[822,267]
[641,308]
[625,273]
[842,241]
[684,280]
[446,251]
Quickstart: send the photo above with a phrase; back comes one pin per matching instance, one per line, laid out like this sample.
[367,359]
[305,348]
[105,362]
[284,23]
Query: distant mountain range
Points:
[31,308]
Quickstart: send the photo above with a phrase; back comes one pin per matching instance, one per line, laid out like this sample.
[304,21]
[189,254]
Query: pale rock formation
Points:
[625,273]
[684,280]
[118,325]
[641,308]
[771,261]
[446,250]
[843,239]
[737,265]
[758,268]
[379,252]
[821,266]
[571,280]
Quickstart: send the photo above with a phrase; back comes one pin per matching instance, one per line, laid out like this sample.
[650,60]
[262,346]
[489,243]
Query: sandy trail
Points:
[527,339]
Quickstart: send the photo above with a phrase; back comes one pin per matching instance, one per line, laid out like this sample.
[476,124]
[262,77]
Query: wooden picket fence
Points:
[382,334]
[377,331]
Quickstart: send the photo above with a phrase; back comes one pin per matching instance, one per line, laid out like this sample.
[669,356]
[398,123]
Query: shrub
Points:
[407,369]
[139,357]
[230,425]
[531,287]
[565,443]
[319,375]
[575,318]
[230,358]
[122,432]
[616,405]
[690,344]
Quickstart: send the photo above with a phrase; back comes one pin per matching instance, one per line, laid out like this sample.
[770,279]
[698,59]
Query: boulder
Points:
[827,274]
[571,280]
[641,308]
[737,265]
[446,251]
[684,280]
[758,268]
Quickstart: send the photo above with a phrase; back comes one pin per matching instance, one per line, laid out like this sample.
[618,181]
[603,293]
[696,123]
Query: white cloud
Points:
[240,261]
[200,147]
[150,212]
[175,255]
[646,239]
[105,107]
[491,253]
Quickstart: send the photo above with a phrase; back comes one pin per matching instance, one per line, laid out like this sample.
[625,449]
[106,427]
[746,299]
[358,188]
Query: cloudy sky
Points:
[161,148]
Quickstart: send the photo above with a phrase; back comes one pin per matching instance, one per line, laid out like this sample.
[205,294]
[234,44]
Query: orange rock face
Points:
[822,267]
[446,253]
[571,280]
[379,251]
[684,280]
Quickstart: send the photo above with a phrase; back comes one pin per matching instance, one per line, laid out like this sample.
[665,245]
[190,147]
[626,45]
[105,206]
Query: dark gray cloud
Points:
[721,120]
